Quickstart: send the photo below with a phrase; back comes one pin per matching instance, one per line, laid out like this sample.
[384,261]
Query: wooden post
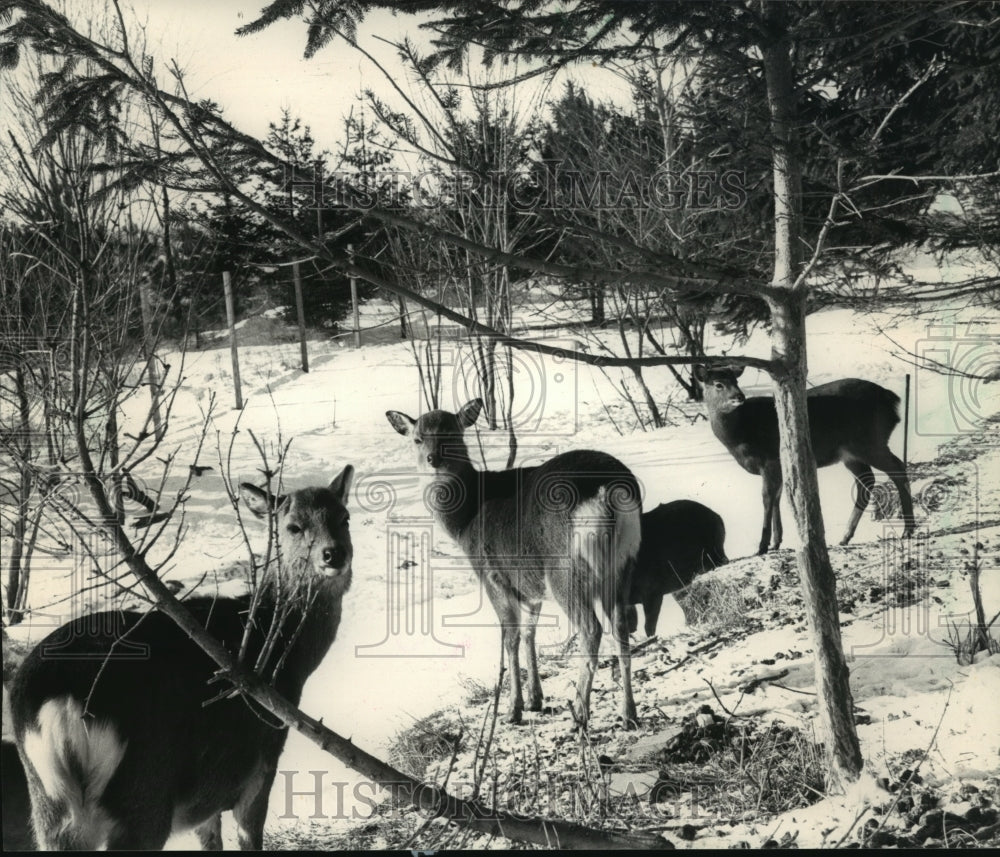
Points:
[227,287]
[354,301]
[906,420]
[297,275]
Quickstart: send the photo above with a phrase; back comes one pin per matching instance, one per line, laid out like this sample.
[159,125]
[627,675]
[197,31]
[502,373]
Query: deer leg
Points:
[146,831]
[629,718]
[534,684]
[651,607]
[865,482]
[511,637]
[508,612]
[250,810]
[52,822]
[210,833]
[894,469]
[632,617]
[590,639]
[776,531]
[772,508]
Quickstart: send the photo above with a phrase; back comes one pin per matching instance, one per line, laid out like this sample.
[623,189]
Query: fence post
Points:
[297,276]
[227,287]
[354,300]
[906,421]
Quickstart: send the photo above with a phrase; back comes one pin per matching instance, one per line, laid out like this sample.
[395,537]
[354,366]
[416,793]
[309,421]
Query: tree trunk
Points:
[819,585]
[20,526]
[647,395]
[787,304]
[149,350]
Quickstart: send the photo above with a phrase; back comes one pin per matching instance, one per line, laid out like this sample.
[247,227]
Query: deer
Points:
[680,540]
[16,805]
[850,420]
[570,525]
[121,751]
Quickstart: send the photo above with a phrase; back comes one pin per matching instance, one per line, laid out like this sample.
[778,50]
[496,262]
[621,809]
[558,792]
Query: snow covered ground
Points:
[376,682]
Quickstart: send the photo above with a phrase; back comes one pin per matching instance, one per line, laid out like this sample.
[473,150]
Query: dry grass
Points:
[714,602]
[430,740]
[967,640]
[740,769]
[477,693]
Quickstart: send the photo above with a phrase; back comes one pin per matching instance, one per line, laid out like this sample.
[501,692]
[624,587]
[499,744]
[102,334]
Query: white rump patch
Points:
[75,759]
[605,540]
[629,528]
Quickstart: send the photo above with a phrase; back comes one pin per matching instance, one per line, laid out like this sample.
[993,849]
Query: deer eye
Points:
[294,529]
[418,441]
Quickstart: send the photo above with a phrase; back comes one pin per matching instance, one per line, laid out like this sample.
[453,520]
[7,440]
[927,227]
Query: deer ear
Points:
[738,370]
[341,485]
[258,500]
[400,422]
[700,372]
[469,413]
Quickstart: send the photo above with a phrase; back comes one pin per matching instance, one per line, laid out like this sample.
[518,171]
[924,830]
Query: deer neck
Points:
[456,498]
[727,425]
[309,627]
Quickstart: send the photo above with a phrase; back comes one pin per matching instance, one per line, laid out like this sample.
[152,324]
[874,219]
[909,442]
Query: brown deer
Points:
[850,420]
[571,523]
[122,750]
[680,540]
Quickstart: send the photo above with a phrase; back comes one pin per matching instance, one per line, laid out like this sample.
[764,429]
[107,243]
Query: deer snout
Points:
[434,459]
[738,398]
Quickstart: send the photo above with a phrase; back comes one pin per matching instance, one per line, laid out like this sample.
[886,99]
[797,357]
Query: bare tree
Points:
[762,51]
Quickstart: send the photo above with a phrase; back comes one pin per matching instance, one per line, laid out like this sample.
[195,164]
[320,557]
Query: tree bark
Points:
[787,304]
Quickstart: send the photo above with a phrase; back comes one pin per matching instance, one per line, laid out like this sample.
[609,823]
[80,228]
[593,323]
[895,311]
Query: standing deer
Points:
[680,540]
[123,750]
[571,523]
[850,420]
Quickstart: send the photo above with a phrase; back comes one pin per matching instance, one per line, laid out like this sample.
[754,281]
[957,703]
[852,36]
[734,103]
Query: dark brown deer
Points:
[123,750]
[15,804]
[849,420]
[571,523]
[680,540]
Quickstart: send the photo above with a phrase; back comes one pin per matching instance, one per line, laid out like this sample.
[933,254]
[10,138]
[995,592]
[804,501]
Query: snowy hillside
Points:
[915,703]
